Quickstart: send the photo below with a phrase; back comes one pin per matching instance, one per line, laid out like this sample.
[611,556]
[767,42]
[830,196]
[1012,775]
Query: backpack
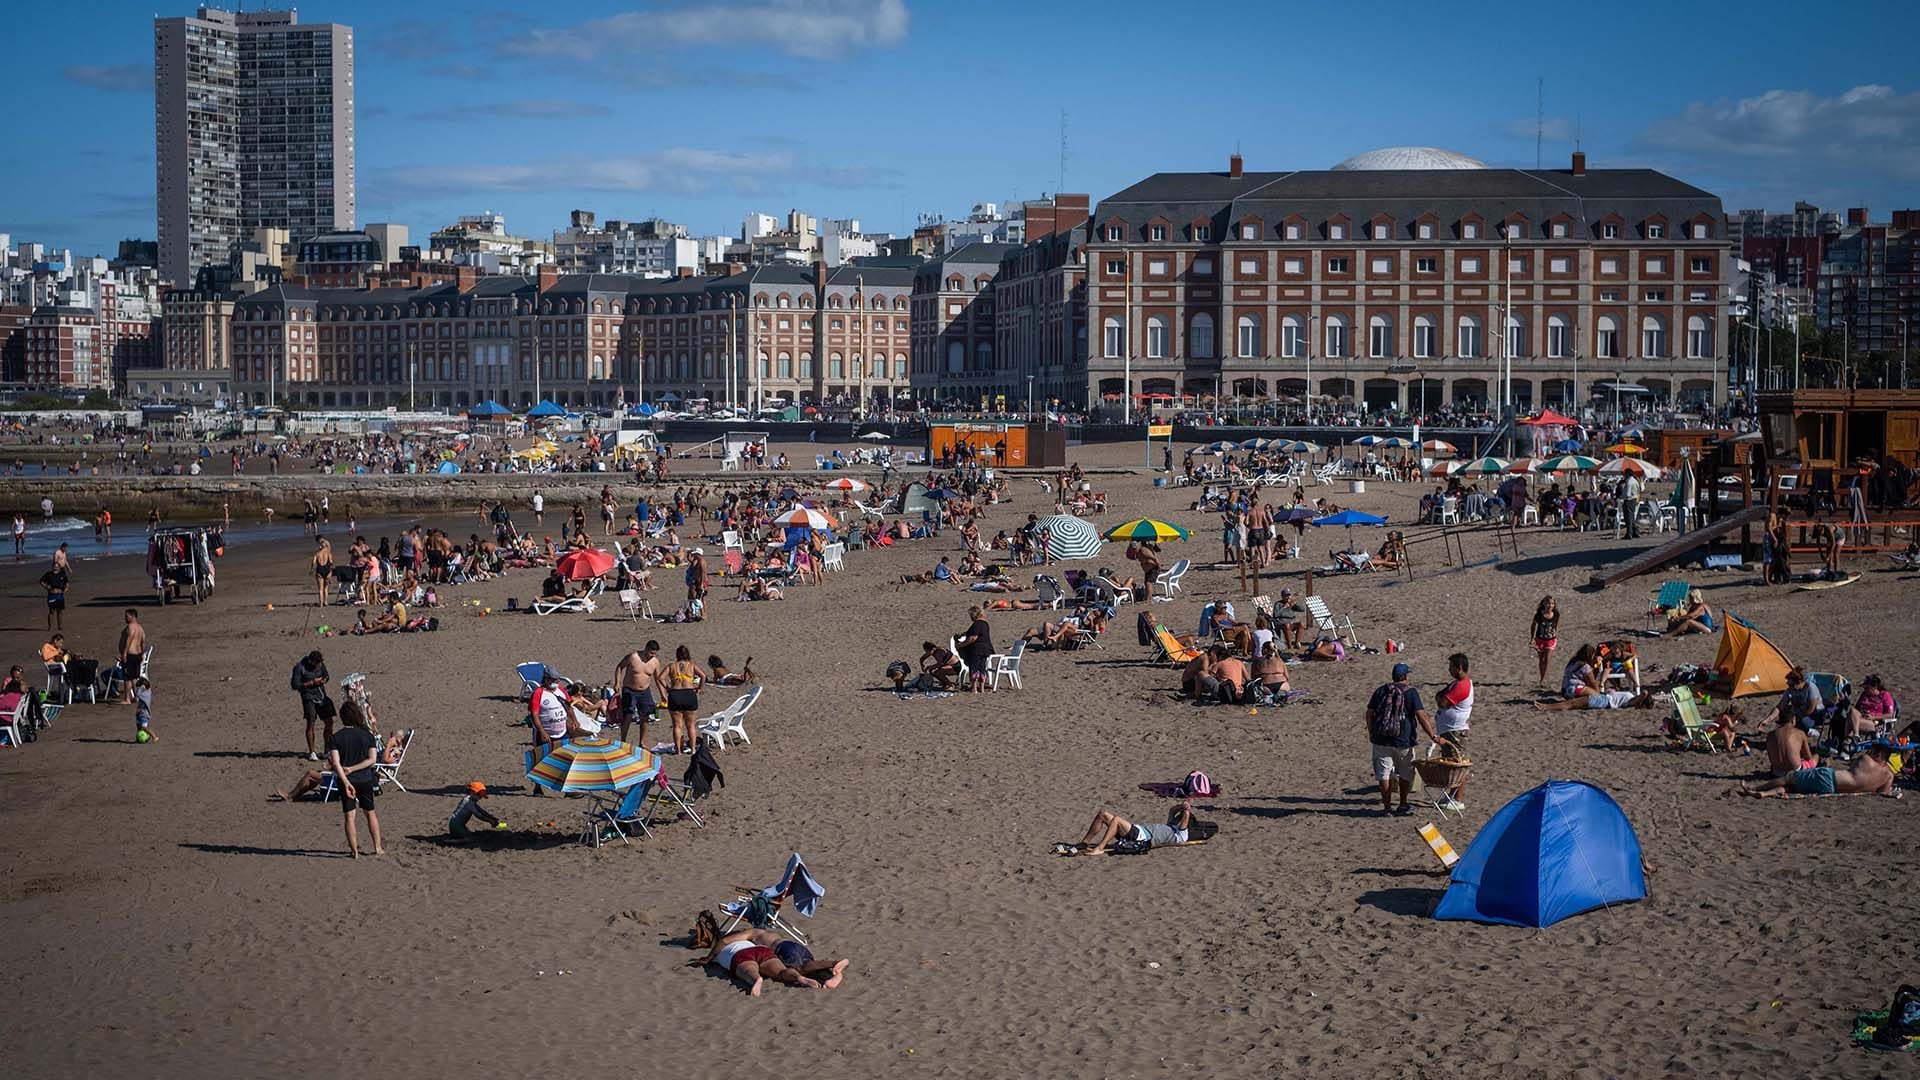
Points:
[1198,785]
[1386,723]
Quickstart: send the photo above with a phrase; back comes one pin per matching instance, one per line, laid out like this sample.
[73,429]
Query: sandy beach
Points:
[163,919]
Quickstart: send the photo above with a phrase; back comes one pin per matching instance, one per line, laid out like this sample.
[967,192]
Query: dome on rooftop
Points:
[1408,157]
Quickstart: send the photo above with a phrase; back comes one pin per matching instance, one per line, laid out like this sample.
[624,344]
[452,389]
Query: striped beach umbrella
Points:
[1439,446]
[1569,463]
[1370,440]
[803,516]
[1443,468]
[1523,465]
[1221,446]
[1070,538]
[1146,529]
[1257,444]
[1626,449]
[1641,467]
[847,483]
[1395,442]
[593,764]
[1484,466]
[1296,446]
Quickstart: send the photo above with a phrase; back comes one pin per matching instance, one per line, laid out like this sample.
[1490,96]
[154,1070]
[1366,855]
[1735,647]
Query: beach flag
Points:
[1441,849]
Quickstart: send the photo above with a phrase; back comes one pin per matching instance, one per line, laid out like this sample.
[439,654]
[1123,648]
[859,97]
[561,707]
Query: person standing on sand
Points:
[133,648]
[322,567]
[310,682]
[19,535]
[1546,633]
[638,680]
[354,744]
[539,508]
[55,581]
[1392,713]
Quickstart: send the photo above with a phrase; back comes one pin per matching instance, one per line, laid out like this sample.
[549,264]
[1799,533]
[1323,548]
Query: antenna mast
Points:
[1539,120]
[1062,186]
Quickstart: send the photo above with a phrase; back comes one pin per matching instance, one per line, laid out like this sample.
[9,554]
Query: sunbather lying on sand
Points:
[1868,774]
[1108,827]
[753,956]
[1605,699]
[723,676]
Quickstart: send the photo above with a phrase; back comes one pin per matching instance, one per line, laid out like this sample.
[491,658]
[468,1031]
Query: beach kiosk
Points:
[1016,446]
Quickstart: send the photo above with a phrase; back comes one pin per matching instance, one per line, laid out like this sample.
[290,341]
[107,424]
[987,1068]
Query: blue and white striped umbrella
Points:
[1369,440]
[1220,447]
[1297,446]
[1070,538]
[1257,444]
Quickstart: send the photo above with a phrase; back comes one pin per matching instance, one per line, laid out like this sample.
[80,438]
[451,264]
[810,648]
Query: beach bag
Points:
[1386,723]
[1902,1023]
[1198,785]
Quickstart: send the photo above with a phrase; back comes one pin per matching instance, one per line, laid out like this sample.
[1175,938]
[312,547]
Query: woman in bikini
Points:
[1546,633]
[724,676]
[684,679]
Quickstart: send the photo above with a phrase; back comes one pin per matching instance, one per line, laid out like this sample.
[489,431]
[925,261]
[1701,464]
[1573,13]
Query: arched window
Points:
[1698,344]
[956,357]
[1468,344]
[1292,337]
[1516,337]
[899,365]
[784,301]
[1425,337]
[1606,338]
[1653,336]
[1113,338]
[1559,341]
[1156,337]
[786,365]
[766,368]
[1379,336]
[1336,342]
[1247,333]
[1200,337]
[835,363]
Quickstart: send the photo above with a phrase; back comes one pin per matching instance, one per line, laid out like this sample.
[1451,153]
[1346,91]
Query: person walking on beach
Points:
[1392,713]
[540,509]
[638,681]
[55,581]
[133,650]
[322,567]
[351,753]
[46,507]
[1546,633]
[19,535]
[309,681]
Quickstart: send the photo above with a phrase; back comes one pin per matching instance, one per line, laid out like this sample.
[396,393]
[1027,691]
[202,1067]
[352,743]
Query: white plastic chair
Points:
[728,721]
[635,605]
[113,679]
[1170,581]
[1006,665]
[834,557]
[577,604]
[12,722]
[730,540]
[1049,591]
[1449,511]
[1530,514]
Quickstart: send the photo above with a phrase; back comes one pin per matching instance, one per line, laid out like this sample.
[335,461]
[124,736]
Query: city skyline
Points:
[881,110]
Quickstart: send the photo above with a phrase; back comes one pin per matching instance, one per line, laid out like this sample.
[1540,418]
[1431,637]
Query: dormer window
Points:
[1293,232]
[1157,233]
[1656,231]
[1113,234]
[1609,232]
[1202,233]
[1249,232]
[1336,231]
[1699,230]
[1516,230]
[1469,231]
[1425,231]
[1379,232]
[1559,230]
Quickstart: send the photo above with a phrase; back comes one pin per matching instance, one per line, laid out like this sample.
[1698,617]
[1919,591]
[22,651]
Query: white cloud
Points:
[1866,128]
[810,29]
[116,78]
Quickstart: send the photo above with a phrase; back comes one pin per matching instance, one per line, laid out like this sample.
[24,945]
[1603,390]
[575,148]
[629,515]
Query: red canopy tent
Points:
[1548,417]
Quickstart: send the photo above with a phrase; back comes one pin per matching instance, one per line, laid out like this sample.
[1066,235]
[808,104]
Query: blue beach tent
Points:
[1556,851]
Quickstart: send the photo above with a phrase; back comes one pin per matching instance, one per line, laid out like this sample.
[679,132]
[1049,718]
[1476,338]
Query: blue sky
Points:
[702,110]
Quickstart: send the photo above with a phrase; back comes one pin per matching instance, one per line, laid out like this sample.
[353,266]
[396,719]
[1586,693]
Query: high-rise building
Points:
[253,128]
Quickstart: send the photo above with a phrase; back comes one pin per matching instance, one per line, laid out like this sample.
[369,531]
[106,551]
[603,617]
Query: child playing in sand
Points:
[469,809]
[142,710]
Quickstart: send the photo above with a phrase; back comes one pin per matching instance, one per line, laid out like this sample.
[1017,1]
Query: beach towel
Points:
[1895,1029]
[1176,789]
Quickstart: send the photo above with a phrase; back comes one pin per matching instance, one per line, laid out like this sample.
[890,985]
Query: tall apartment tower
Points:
[253,128]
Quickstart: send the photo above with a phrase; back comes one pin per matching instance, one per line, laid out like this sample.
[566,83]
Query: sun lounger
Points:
[1671,595]
[1172,649]
[577,604]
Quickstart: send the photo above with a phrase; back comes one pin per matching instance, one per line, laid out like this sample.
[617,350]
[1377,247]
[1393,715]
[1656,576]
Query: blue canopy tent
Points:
[489,410]
[1349,517]
[448,468]
[643,410]
[1563,848]
[545,409]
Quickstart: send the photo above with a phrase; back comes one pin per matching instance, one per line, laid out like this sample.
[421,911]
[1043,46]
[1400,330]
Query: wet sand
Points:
[163,919]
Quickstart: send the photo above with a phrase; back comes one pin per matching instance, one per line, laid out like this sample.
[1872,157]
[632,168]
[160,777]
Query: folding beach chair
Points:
[1006,665]
[965,672]
[605,820]
[1326,622]
[729,721]
[577,604]
[1172,649]
[635,605]
[797,884]
[1688,728]
[1670,595]
[531,672]
[389,772]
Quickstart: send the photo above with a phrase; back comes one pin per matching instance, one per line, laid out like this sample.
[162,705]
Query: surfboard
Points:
[1848,580]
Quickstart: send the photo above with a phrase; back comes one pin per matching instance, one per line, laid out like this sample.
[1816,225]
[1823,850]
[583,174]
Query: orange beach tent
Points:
[1747,660]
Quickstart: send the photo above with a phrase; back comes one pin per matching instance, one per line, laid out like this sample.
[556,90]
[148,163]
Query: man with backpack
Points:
[1392,713]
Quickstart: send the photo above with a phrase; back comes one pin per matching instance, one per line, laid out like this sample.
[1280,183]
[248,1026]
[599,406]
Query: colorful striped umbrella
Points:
[1626,448]
[847,483]
[584,564]
[1439,446]
[1645,469]
[802,516]
[1443,468]
[1395,442]
[1569,463]
[1524,465]
[1485,466]
[593,764]
[1370,440]
[1146,529]
[1069,537]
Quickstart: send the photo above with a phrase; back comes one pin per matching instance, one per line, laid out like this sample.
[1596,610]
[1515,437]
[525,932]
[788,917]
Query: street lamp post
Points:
[1903,354]
[413,364]
[1029,399]
[861,361]
[1313,324]
[1793,312]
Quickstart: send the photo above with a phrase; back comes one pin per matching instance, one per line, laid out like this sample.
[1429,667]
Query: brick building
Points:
[64,350]
[954,348]
[13,341]
[585,340]
[1387,279]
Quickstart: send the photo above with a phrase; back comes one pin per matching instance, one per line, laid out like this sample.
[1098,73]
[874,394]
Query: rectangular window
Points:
[1338,266]
[786,323]
[1157,233]
[1516,230]
[1423,343]
[1699,230]
[1702,265]
[1656,266]
[1379,341]
[1609,266]
[1469,231]
[1611,296]
[1203,232]
[1382,267]
[1697,295]
[1295,266]
[1249,267]
[1559,230]
[1557,339]
[953,310]
[1157,267]
[1426,264]
[1293,232]
[1559,265]
[1656,231]
[1336,232]
[1203,266]
[1379,232]
[1426,231]
[1470,265]
[1656,296]
[1609,232]
[1517,265]
[1116,267]
[1249,232]
[1113,234]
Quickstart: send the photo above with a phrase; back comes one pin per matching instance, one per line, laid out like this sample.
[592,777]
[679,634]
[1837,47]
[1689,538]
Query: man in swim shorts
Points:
[1867,774]
[1108,827]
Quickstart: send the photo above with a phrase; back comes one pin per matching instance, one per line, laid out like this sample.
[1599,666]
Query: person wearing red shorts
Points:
[1546,633]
